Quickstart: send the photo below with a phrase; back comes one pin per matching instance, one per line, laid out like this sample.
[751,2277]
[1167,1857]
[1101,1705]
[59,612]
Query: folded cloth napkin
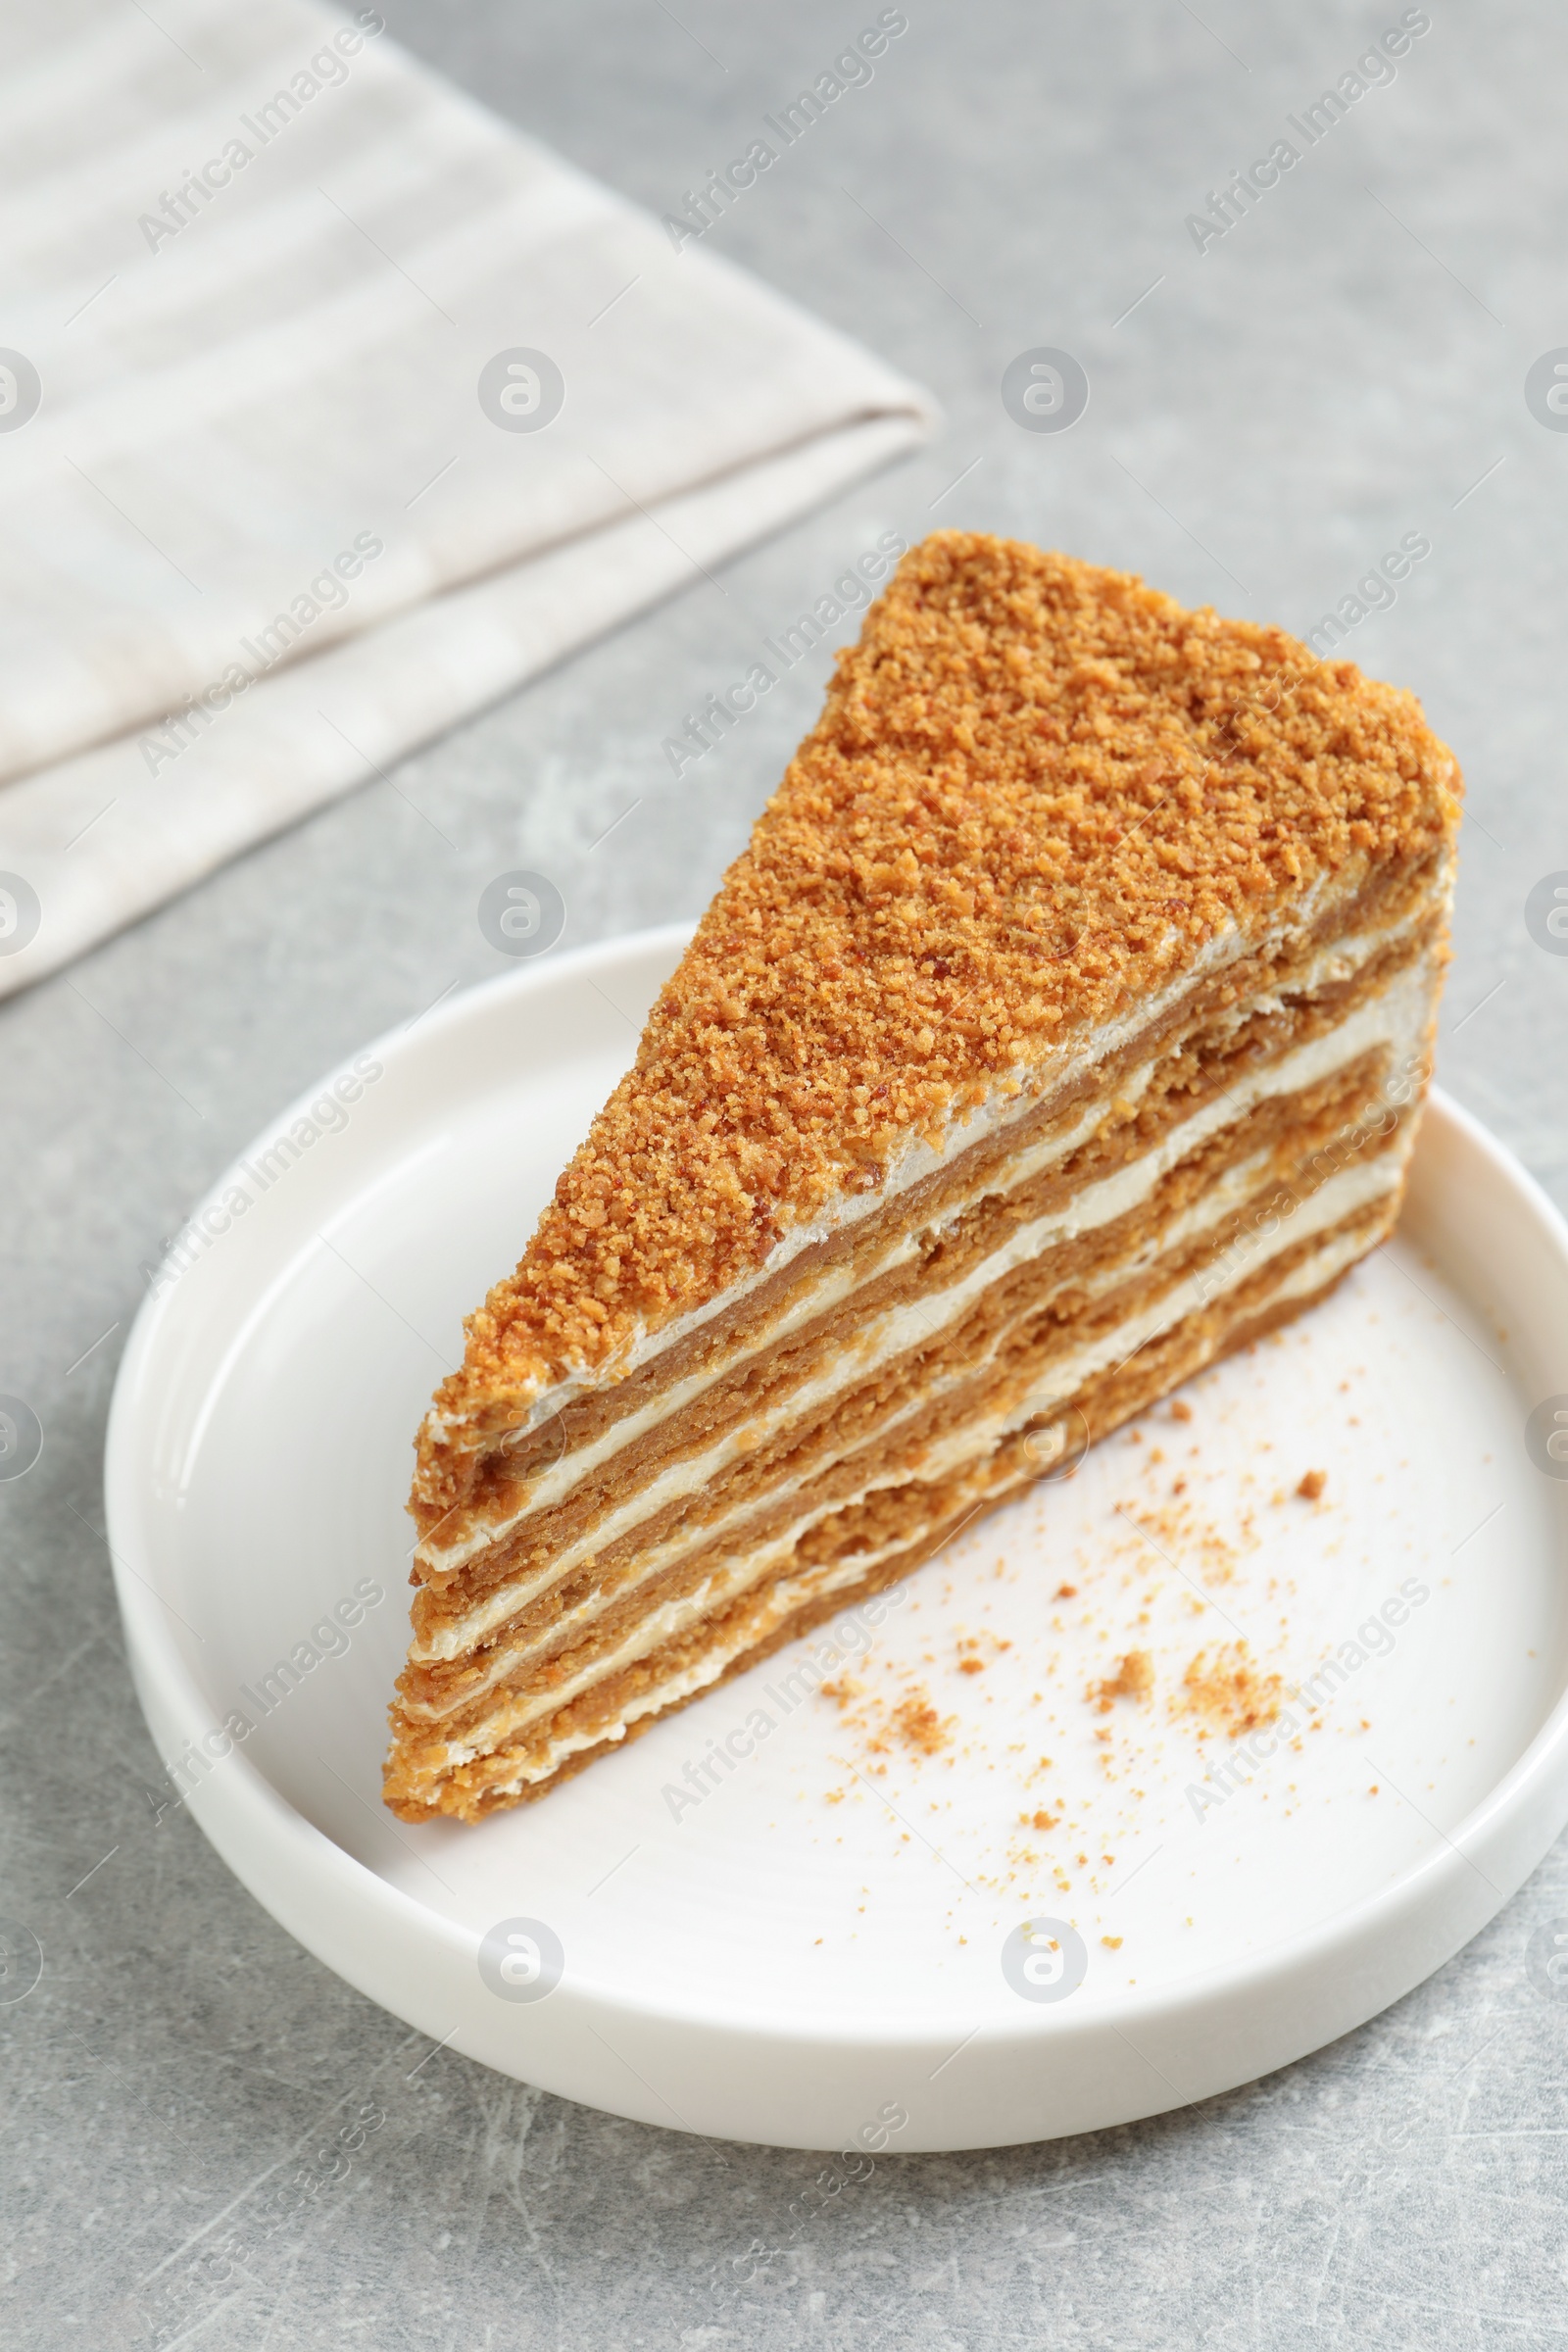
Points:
[330,410]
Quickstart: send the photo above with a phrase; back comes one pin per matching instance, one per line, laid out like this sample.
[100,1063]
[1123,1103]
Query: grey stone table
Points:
[1343,366]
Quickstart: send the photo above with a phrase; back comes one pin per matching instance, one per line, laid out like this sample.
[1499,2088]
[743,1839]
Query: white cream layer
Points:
[1333,1201]
[1396,1018]
[780,1603]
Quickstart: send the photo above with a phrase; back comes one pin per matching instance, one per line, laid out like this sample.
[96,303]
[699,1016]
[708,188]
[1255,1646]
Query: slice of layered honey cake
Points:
[1063,1026]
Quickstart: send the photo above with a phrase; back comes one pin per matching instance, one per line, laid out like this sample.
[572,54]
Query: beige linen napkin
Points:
[330,410]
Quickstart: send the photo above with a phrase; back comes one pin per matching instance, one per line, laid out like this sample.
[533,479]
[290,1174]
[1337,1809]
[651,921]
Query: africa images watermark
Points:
[1373,593]
[178,729]
[1374,1638]
[849,592]
[851,1637]
[329,1638]
[850,70]
[1245,191]
[216,2265]
[327,1115]
[1283,684]
[326,69]
[853,2164]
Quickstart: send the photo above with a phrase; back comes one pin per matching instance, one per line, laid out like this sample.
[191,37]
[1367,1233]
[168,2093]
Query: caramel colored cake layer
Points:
[1064,1025]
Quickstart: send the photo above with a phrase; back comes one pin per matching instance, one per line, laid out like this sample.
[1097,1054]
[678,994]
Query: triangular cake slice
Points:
[1063,1026]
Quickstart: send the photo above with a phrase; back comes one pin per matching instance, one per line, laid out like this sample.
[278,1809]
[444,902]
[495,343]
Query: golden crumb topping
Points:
[1229,1692]
[1036,791]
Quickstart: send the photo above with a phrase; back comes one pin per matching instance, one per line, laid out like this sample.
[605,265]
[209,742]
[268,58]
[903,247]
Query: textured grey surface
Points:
[1339,370]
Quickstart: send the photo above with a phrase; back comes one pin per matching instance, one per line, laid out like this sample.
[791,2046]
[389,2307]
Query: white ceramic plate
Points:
[809,1943]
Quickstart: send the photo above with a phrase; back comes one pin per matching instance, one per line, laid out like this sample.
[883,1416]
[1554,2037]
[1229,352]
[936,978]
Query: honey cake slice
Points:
[1064,1025]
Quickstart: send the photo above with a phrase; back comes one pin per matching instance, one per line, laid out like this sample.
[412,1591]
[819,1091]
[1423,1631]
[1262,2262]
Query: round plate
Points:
[933,1879]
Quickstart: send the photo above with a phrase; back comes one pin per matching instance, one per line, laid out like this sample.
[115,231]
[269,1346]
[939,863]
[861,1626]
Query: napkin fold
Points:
[330,411]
